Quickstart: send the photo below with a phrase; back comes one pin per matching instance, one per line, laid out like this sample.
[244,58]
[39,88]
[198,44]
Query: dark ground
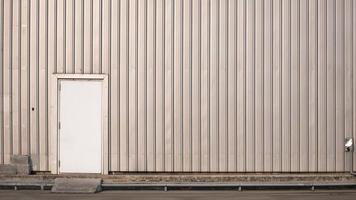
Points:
[184,195]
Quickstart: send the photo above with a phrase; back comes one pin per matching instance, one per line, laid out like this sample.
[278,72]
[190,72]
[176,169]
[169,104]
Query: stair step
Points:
[20,160]
[77,185]
[7,170]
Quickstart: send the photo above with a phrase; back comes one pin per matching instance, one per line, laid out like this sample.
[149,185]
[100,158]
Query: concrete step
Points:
[23,169]
[22,163]
[77,185]
[20,160]
[7,170]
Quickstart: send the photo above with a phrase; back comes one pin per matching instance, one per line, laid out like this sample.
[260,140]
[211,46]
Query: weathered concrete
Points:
[184,195]
[23,169]
[7,170]
[77,185]
[22,164]
[229,178]
[20,160]
[172,178]
[195,177]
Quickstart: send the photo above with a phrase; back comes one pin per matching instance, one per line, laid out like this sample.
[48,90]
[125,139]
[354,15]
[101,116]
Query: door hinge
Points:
[59,125]
[59,163]
[59,87]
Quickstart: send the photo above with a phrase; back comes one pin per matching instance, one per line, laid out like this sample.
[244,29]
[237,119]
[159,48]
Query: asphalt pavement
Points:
[183,195]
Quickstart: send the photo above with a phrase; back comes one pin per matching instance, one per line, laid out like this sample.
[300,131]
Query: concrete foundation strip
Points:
[190,186]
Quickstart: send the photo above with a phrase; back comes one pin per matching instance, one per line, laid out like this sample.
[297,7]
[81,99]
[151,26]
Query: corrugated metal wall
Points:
[195,85]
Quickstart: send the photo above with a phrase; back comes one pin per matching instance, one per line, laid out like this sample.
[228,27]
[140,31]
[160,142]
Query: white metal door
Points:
[80,118]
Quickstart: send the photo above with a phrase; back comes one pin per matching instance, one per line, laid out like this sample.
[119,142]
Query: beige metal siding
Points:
[195,85]
[1,83]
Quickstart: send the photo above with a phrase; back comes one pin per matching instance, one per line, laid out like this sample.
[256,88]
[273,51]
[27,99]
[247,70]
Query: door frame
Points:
[54,117]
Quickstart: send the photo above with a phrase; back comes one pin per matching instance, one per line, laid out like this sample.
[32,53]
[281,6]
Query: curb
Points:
[228,186]
[192,186]
[25,186]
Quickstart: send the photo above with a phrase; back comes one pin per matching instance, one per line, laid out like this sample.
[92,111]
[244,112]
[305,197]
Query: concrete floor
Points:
[183,195]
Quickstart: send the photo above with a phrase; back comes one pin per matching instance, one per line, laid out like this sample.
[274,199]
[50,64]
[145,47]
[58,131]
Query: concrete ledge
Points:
[231,178]
[196,181]
[196,177]
[76,185]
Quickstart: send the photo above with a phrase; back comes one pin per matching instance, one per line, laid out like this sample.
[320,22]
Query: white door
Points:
[80,110]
